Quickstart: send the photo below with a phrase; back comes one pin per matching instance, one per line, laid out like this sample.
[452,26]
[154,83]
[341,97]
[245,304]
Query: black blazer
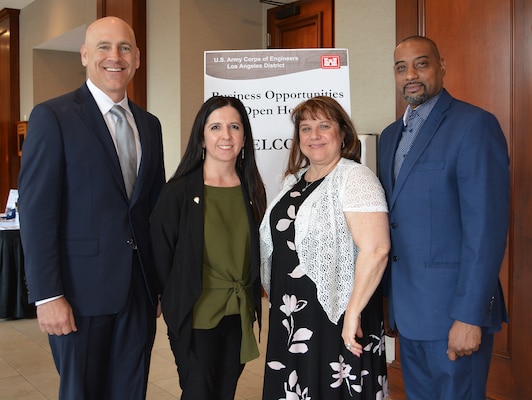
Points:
[177,235]
[78,228]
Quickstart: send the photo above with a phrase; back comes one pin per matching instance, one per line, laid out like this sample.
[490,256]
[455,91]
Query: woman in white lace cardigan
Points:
[324,248]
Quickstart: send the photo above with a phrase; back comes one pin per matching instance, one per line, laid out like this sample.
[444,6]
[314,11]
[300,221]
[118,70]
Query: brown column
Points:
[134,13]
[9,101]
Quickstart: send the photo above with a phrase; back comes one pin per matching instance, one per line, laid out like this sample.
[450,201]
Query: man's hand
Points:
[56,317]
[464,339]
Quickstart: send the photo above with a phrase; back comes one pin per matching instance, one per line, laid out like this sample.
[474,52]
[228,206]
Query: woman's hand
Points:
[350,331]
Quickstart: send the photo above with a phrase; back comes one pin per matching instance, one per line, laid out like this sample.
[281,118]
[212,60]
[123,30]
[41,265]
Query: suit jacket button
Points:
[393,225]
[395,258]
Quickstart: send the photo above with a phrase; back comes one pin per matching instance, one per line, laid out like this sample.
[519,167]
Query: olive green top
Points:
[226,266]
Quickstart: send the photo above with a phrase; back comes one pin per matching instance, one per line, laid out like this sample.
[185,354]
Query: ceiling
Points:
[70,41]
[17,4]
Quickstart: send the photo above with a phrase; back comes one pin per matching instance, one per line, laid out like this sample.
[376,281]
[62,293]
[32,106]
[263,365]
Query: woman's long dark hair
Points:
[331,109]
[247,167]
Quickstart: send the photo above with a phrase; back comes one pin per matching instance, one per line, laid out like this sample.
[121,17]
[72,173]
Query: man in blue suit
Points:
[444,167]
[85,232]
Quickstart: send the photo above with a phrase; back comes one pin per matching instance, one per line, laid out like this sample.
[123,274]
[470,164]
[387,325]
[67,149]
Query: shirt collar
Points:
[103,101]
[423,110]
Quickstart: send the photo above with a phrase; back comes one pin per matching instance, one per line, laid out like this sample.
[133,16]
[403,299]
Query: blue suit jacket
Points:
[449,213]
[78,228]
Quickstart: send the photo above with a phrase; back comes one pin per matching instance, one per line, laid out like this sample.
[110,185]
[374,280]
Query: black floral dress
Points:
[306,358]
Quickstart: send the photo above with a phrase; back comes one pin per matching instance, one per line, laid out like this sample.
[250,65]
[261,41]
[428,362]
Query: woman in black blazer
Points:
[205,237]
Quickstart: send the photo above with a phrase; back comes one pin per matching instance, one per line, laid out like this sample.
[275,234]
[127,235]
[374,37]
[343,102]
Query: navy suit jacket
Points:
[449,213]
[79,231]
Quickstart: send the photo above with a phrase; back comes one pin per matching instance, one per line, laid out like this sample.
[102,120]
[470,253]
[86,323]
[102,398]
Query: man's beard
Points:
[415,100]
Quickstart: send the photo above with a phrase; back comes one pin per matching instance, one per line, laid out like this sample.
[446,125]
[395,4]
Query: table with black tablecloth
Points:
[13,291]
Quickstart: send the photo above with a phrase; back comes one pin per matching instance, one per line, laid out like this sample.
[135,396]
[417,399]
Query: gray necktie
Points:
[127,151]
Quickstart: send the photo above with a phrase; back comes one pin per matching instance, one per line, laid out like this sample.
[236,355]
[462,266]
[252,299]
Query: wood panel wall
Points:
[497,56]
[9,102]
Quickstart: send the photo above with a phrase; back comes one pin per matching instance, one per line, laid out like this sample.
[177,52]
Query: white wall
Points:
[367,29]
[164,74]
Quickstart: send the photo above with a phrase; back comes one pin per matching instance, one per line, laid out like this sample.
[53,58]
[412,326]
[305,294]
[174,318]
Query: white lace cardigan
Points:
[325,247]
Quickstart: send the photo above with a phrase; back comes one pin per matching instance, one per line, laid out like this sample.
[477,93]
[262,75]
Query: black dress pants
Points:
[210,368]
[109,356]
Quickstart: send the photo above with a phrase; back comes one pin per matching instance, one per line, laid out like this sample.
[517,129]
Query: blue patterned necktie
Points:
[127,152]
[410,132]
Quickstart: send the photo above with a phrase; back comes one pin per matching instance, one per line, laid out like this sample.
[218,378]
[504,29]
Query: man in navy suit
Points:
[444,167]
[86,239]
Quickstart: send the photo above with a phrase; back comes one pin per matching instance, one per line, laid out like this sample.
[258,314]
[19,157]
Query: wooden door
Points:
[488,64]
[303,24]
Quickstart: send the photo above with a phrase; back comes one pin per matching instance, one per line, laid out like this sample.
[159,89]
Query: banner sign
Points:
[270,83]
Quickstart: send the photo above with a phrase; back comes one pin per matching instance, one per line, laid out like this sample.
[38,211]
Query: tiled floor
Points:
[27,371]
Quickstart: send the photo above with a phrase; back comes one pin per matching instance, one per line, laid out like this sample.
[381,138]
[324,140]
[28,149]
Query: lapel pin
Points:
[196,200]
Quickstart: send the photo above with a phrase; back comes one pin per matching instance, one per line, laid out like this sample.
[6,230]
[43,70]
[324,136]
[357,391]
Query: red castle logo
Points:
[330,61]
